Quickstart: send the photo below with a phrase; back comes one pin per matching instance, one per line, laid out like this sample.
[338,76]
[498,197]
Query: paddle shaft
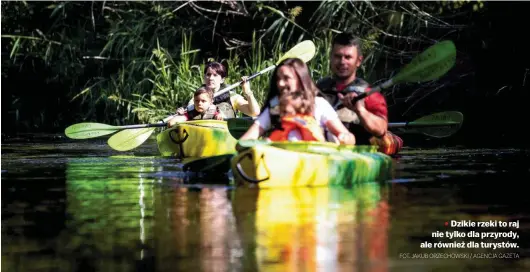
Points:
[240,82]
[378,88]
[420,125]
[430,64]
[161,124]
[235,85]
[250,120]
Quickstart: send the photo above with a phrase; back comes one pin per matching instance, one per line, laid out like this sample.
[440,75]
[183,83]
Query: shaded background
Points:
[489,84]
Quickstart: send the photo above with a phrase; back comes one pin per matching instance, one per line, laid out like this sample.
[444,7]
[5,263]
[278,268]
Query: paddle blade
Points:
[431,64]
[89,130]
[238,126]
[304,51]
[129,139]
[439,125]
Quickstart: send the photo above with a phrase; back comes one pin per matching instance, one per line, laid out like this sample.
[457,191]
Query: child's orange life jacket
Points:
[307,125]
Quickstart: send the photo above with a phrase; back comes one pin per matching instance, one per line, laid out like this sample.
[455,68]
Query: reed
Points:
[128,62]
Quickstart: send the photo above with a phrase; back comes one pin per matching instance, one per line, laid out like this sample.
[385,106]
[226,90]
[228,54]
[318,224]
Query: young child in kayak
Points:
[296,121]
[204,108]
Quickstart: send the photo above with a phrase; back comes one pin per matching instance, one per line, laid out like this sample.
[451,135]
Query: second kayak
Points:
[198,138]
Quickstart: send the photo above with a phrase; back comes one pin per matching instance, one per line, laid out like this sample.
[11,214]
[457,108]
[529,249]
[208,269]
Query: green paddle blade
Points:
[89,130]
[238,126]
[438,125]
[431,64]
[304,51]
[129,139]
[440,118]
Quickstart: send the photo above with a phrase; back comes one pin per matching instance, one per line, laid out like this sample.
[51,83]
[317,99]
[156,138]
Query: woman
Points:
[290,76]
[228,103]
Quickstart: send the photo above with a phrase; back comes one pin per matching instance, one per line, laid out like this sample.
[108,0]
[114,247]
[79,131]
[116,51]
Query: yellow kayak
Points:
[295,164]
[198,138]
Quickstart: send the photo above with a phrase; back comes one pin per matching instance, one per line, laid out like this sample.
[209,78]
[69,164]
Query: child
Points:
[297,121]
[204,108]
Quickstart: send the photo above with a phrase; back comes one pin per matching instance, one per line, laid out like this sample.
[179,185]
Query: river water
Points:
[81,206]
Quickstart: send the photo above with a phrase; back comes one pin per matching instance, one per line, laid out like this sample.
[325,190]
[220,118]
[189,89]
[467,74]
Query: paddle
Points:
[434,62]
[438,125]
[130,139]
[431,64]
[305,51]
[93,130]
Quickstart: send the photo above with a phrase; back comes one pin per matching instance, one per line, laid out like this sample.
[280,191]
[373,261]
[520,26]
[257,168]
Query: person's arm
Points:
[331,120]
[338,129]
[248,105]
[374,124]
[257,129]
[182,110]
[253,133]
[373,118]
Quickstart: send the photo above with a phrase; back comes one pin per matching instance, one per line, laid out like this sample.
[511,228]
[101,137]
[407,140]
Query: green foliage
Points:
[126,62]
[450,6]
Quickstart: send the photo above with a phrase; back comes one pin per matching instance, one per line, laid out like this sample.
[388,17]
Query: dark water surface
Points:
[80,206]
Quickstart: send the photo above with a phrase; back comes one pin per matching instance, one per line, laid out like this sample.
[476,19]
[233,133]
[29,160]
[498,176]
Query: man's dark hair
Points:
[347,38]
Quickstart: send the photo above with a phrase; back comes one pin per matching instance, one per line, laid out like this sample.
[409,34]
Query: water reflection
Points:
[246,229]
[322,229]
[122,215]
[220,245]
[109,208]
[199,233]
[63,212]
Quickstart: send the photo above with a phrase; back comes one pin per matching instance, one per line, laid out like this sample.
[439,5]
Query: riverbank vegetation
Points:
[135,62]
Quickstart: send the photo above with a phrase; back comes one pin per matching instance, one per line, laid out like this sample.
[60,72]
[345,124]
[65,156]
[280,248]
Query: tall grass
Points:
[171,82]
[126,62]
[173,79]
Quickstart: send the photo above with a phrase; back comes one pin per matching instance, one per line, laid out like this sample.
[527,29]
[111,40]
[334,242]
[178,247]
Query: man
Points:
[367,118]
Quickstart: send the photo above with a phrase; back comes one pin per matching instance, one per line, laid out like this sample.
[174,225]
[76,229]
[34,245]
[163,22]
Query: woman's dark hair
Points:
[219,68]
[308,88]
